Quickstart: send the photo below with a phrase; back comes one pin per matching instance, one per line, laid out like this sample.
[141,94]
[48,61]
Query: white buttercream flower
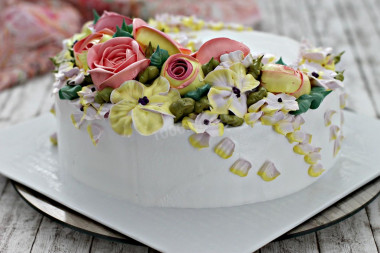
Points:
[321,76]
[280,102]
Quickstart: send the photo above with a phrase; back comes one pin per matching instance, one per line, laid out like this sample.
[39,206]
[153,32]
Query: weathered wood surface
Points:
[353,26]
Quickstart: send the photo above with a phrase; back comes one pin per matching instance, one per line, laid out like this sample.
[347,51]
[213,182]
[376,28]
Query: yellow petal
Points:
[268,171]
[199,141]
[146,122]
[221,78]
[225,148]
[120,117]
[130,90]
[219,100]
[315,170]
[241,167]
[160,86]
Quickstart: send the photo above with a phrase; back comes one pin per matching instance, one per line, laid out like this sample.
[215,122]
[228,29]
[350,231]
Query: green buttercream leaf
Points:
[210,66]
[159,57]
[149,50]
[198,93]
[148,74]
[281,62]
[96,16]
[311,101]
[340,76]
[255,96]
[103,96]
[181,108]
[338,57]
[121,33]
[69,92]
[255,68]
[231,120]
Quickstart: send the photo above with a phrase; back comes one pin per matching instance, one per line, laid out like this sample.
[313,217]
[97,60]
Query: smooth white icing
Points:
[165,170]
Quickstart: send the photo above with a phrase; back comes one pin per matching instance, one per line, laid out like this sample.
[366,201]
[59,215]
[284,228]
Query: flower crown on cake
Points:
[136,75]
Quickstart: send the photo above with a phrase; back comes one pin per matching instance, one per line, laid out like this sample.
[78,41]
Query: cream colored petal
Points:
[268,171]
[241,167]
[77,119]
[271,119]
[256,106]
[315,170]
[313,157]
[343,100]
[303,148]
[200,141]
[215,130]
[120,117]
[221,78]
[298,121]
[95,132]
[328,116]
[219,100]
[225,148]
[146,122]
[252,118]
[299,136]
[239,69]
[160,86]
[334,130]
[239,105]
[283,127]
[130,90]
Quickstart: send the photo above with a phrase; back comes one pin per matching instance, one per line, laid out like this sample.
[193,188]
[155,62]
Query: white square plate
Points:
[27,156]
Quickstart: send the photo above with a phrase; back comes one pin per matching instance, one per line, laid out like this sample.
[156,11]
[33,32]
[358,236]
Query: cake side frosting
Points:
[248,117]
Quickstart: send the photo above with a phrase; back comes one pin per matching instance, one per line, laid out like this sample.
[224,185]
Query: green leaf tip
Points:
[121,33]
[338,57]
[159,57]
[281,62]
[96,16]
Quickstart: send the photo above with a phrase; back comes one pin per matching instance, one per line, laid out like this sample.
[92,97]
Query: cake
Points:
[246,117]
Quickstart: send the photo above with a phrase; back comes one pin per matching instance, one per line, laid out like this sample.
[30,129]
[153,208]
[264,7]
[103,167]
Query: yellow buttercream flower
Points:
[143,106]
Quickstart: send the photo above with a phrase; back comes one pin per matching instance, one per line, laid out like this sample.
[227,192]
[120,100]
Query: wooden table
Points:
[350,25]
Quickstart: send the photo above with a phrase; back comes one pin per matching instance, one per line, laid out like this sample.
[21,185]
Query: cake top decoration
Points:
[137,77]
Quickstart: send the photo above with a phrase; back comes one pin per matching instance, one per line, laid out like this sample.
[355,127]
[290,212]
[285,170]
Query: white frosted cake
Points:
[246,117]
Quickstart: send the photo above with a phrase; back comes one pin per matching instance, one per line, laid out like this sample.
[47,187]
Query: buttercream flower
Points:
[279,102]
[321,76]
[81,47]
[67,75]
[183,72]
[228,89]
[110,20]
[143,106]
[280,78]
[204,125]
[319,55]
[115,61]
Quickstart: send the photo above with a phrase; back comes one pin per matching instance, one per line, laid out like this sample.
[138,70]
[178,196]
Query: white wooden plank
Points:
[373,211]
[100,246]
[363,35]
[53,237]
[268,22]
[18,223]
[351,235]
[3,183]
[306,244]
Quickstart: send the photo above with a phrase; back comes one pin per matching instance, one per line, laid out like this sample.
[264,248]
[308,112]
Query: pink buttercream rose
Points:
[81,47]
[115,61]
[110,20]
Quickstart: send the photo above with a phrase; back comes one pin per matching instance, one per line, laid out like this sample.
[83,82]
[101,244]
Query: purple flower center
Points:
[236,91]
[206,122]
[144,100]
[279,100]
[315,74]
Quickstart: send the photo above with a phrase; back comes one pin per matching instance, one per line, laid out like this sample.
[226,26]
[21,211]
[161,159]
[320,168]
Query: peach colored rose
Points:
[110,20]
[115,61]
[81,47]
[183,72]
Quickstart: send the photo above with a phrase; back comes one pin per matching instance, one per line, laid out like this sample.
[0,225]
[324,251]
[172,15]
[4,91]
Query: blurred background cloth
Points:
[32,31]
